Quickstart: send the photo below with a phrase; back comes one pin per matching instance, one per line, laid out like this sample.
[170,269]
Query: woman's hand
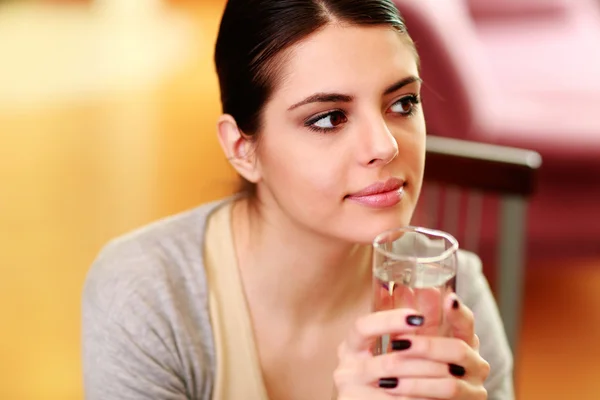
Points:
[420,367]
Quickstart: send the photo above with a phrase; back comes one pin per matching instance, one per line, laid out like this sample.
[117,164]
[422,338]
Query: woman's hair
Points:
[254,34]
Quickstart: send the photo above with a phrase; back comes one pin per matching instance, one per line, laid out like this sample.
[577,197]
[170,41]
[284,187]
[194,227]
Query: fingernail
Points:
[455,304]
[415,320]
[457,370]
[398,345]
[388,383]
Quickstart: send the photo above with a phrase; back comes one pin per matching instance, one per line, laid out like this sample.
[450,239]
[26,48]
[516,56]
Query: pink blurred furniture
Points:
[517,8]
[523,74]
[545,53]
[544,57]
[528,81]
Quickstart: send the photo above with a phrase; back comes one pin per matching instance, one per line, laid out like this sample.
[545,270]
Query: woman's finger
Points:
[476,343]
[367,393]
[429,302]
[394,365]
[447,351]
[461,320]
[371,326]
[438,388]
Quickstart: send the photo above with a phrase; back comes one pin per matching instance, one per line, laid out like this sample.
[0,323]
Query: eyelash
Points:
[414,99]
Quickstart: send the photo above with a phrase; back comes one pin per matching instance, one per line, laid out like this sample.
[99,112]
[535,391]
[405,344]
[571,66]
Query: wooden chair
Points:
[461,173]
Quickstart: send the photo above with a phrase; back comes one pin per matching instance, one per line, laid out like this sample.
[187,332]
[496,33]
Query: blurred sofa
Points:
[523,74]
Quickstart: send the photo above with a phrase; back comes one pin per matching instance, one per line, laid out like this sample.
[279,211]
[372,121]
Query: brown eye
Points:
[337,118]
[406,105]
[329,121]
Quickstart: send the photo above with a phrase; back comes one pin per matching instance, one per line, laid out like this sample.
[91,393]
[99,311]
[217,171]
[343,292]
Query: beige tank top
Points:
[238,371]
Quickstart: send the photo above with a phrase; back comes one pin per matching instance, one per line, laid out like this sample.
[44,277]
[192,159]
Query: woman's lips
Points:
[381,194]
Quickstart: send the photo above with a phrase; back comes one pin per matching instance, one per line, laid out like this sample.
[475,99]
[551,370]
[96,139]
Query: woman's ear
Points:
[239,149]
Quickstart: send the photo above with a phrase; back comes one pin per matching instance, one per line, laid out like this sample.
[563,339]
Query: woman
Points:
[268,294]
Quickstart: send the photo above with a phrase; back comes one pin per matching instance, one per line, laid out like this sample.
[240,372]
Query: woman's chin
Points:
[373,228]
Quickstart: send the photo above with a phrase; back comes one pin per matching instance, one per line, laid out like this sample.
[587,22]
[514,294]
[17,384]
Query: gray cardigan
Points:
[146,327]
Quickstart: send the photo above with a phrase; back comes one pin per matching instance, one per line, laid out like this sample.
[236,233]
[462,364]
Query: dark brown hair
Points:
[253,33]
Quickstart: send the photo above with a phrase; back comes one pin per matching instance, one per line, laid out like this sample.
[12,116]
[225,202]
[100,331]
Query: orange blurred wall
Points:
[74,175]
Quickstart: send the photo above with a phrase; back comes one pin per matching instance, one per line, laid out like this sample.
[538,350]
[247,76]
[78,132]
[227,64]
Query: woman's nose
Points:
[378,147]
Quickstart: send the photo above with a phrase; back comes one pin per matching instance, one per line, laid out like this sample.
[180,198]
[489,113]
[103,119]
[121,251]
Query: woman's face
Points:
[343,141]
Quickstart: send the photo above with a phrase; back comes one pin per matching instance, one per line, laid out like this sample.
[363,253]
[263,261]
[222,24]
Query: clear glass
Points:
[415,268]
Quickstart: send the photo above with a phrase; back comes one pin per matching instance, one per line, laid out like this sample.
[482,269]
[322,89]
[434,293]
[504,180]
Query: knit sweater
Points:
[147,331]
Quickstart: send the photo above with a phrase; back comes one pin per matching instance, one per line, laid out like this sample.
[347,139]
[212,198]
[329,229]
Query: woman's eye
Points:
[406,105]
[329,121]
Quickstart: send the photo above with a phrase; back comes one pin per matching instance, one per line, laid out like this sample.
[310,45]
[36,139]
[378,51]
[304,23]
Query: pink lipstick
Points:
[381,194]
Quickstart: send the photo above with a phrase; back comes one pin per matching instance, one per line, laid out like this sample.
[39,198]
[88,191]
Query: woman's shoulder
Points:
[152,259]
[145,303]
[473,288]
[468,262]
[173,230]
[469,276]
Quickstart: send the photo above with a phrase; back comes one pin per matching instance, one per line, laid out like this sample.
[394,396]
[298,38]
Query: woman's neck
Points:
[295,273]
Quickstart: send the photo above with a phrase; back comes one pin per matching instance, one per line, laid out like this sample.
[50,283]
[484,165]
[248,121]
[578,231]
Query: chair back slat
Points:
[459,176]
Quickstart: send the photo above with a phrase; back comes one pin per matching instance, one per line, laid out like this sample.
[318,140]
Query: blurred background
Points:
[107,122]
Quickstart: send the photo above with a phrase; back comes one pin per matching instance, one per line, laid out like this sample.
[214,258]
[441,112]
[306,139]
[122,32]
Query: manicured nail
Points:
[388,383]
[398,345]
[455,304]
[457,370]
[415,320]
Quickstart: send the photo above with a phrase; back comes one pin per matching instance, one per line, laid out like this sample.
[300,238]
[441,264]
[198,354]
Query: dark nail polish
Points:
[415,320]
[457,370]
[398,345]
[388,383]
[455,304]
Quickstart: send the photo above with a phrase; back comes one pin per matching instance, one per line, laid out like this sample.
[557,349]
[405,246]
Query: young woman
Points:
[267,295]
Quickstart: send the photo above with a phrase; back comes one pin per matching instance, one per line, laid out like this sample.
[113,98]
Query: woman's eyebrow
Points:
[401,83]
[345,98]
[324,98]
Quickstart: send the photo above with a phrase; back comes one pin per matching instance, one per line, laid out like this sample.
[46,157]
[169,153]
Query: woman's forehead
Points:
[347,58]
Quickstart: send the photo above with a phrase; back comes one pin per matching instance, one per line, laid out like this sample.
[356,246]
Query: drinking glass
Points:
[414,267]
